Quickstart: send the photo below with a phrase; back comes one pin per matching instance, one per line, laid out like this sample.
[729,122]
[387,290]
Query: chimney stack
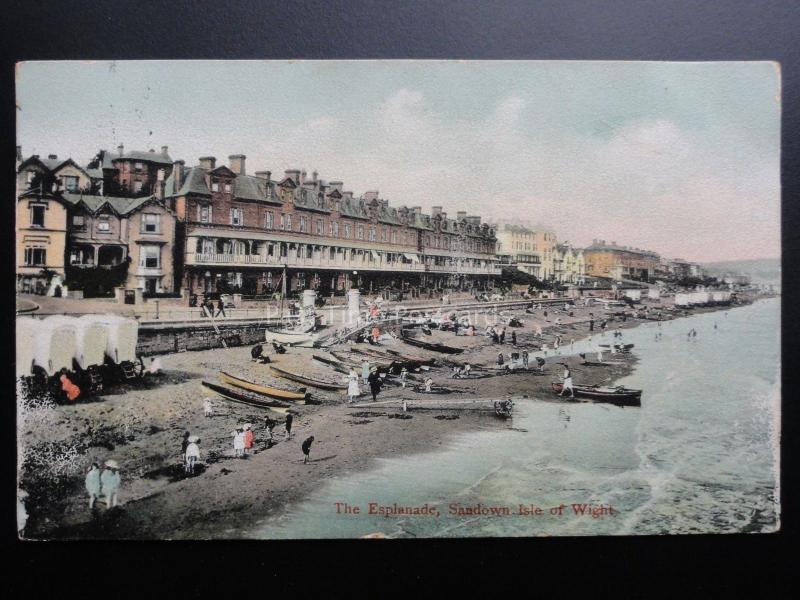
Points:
[336,185]
[237,163]
[262,175]
[314,176]
[436,210]
[294,175]
[302,177]
[121,149]
[164,150]
[177,174]
[461,215]
[208,162]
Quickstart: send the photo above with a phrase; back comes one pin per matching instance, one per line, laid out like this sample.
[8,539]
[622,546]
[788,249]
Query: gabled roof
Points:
[117,205]
[223,170]
[71,162]
[48,164]
[309,200]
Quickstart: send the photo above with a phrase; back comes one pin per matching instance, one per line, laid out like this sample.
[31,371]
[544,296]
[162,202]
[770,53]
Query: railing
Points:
[323,262]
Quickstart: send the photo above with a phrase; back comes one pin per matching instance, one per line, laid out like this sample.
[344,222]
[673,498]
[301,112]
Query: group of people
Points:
[208,306]
[105,483]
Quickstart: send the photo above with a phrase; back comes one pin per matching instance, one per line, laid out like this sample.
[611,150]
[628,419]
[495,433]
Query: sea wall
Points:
[170,338]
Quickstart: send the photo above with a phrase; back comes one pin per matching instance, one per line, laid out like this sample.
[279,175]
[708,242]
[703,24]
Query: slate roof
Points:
[156,157]
[122,206]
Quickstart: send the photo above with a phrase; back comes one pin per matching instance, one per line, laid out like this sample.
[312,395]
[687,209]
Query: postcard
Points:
[397,299]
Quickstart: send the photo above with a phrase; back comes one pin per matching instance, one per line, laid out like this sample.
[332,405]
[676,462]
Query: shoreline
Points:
[230,497]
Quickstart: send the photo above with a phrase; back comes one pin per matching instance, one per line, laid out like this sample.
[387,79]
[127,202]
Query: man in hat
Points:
[92,483]
[110,481]
[375,383]
[288,425]
[192,454]
[307,449]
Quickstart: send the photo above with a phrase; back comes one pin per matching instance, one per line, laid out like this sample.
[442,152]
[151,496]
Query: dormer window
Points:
[138,166]
[70,183]
[215,186]
[103,224]
[227,188]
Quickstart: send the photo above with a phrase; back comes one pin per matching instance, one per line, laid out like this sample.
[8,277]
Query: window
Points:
[237,216]
[302,224]
[288,222]
[70,183]
[79,222]
[347,231]
[214,186]
[335,229]
[269,219]
[204,211]
[371,234]
[360,232]
[283,222]
[138,166]
[35,256]
[103,224]
[227,188]
[37,215]
[320,227]
[150,257]
[394,236]
[137,186]
[151,223]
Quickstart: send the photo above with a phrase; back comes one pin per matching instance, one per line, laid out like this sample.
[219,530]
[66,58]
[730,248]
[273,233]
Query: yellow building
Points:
[532,251]
[620,262]
[41,236]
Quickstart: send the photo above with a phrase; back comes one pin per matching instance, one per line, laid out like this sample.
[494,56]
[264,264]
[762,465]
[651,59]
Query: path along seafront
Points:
[596,452]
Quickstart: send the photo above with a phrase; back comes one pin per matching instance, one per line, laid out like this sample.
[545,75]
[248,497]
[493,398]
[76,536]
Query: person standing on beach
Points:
[567,382]
[514,338]
[208,408]
[500,359]
[353,390]
[185,442]
[525,358]
[307,449]
[192,454]
[428,384]
[540,362]
[270,423]
[93,483]
[403,375]
[288,425]
[503,336]
[249,438]
[238,442]
[365,371]
[110,482]
[375,383]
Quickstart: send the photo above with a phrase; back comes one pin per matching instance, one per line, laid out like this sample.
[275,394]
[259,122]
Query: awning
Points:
[412,257]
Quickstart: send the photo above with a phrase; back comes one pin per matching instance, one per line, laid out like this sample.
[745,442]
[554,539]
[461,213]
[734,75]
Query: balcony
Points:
[340,262]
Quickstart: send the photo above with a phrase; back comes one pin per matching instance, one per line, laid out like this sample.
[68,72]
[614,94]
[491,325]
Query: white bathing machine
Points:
[55,344]
[682,300]
[122,334]
[92,341]
[26,332]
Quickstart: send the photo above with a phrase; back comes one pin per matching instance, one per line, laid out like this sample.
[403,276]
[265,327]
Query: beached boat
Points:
[613,395]
[266,390]
[617,346]
[415,359]
[324,385]
[243,397]
[499,408]
[337,365]
[291,338]
[434,346]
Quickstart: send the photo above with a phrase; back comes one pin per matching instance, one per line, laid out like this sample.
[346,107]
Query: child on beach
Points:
[353,391]
[307,449]
[288,425]
[208,408]
[93,483]
[238,442]
[110,482]
[192,454]
[248,437]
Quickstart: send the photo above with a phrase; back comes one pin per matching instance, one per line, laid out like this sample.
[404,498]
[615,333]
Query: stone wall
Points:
[181,338]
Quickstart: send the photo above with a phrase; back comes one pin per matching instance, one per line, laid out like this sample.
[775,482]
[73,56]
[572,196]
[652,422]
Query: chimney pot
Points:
[121,149]
[302,177]
[314,176]
[164,150]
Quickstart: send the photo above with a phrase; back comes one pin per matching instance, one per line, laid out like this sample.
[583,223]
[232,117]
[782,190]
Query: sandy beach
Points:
[141,427]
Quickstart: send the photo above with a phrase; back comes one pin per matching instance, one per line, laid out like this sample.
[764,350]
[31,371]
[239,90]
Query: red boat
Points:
[612,395]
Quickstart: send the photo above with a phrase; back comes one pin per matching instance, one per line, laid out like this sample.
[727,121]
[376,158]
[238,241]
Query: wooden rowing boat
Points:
[291,338]
[263,389]
[594,363]
[242,397]
[337,365]
[613,395]
[499,408]
[434,346]
[409,358]
[324,385]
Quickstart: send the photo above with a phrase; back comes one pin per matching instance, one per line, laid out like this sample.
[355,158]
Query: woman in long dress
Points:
[353,391]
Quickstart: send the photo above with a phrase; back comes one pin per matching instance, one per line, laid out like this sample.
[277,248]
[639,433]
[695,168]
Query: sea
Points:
[701,454]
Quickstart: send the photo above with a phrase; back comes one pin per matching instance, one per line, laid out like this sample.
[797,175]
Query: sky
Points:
[679,158]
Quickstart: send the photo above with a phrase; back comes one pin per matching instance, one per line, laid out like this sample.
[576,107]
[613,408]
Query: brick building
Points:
[258,235]
[620,262]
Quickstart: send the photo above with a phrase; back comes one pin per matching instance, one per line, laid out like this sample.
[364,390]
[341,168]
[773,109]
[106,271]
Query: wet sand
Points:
[141,427]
